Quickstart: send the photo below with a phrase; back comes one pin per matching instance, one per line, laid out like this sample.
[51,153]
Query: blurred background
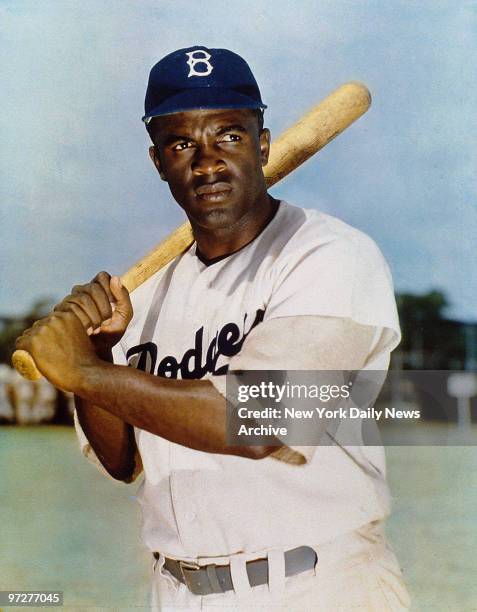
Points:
[79,194]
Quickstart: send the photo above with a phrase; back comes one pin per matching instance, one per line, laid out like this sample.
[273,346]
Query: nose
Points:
[207,161]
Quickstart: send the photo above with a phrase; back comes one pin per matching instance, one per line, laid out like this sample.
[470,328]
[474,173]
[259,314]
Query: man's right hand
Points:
[104,308]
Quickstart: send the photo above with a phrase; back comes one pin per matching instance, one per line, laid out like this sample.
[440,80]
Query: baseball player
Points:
[265,286]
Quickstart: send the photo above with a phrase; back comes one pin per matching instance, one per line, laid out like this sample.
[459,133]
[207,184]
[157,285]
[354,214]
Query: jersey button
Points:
[190,516]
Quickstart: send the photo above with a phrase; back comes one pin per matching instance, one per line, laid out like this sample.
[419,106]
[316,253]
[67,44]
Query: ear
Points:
[264,139]
[154,155]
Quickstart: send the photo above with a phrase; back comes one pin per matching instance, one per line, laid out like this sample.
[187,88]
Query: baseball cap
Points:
[198,77]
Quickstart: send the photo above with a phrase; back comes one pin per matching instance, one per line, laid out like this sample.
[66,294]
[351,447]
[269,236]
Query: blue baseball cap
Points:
[198,77]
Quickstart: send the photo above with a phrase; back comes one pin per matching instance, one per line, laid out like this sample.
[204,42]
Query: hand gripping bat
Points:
[299,142]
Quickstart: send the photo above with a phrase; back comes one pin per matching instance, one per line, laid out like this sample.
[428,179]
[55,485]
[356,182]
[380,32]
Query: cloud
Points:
[78,189]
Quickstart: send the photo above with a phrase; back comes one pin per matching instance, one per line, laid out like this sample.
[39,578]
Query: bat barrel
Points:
[316,129]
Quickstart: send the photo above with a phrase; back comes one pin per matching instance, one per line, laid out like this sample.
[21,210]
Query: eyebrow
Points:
[175,138]
[236,127]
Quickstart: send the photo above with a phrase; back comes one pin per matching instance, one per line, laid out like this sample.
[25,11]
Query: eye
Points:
[183,144]
[230,138]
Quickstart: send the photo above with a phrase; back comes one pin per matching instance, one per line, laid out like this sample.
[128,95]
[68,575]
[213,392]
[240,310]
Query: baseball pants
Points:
[356,571]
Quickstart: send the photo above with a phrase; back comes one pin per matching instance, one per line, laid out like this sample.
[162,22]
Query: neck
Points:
[217,242]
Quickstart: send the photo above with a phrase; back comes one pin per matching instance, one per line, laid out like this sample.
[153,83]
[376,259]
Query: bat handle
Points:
[24,364]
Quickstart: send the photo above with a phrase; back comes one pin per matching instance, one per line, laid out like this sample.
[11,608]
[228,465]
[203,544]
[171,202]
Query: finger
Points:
[102,300]
[123,302]
[88,306]
[78,289]
[49,319]
[98,295]
[37,325]
[61,318]
[24,337]
[23,343]
[71,304]
[103,278]
[78,311]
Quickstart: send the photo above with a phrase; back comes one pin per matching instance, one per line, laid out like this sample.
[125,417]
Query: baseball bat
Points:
[303,139]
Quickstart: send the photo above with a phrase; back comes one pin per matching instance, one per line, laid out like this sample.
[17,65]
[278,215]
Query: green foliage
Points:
[429,340]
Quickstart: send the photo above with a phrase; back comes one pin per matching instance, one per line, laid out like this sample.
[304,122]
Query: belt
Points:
[208,579]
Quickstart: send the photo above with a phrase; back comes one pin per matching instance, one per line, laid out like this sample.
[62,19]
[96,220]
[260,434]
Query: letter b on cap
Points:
[202,58]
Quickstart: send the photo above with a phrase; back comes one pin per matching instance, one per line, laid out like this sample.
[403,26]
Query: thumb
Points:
[122,305]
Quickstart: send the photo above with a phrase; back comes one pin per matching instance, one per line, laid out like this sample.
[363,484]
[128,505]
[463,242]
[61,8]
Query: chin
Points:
[217,218]
[215,215]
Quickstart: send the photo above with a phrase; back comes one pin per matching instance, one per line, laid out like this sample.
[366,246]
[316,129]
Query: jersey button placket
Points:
[185,513]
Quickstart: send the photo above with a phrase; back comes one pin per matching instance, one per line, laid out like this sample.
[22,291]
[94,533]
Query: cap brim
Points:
[203,98]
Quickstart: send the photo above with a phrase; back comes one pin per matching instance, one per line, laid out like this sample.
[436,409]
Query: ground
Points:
[64,526]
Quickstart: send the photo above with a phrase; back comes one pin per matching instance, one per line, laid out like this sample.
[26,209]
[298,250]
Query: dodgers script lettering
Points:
[196,362]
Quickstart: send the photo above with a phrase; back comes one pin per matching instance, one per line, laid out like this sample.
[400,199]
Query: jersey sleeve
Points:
[346,276]
[304,343]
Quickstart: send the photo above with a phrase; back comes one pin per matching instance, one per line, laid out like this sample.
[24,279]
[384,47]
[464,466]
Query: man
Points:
[265,286]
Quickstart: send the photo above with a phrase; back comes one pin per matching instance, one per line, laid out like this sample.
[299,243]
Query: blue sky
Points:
[79,194]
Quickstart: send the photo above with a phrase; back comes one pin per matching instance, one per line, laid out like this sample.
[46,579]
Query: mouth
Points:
[213,192]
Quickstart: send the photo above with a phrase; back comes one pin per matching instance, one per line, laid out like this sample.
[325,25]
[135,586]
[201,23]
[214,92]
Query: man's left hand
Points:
[61,349]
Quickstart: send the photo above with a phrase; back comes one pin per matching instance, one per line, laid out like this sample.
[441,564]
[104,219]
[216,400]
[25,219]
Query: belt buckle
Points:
[188,565]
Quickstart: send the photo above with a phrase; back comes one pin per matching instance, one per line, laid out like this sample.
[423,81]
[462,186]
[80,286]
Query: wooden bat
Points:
[299,142]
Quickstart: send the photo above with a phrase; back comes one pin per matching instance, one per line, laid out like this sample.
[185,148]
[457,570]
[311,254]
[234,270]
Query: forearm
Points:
[110,437]
[188,412]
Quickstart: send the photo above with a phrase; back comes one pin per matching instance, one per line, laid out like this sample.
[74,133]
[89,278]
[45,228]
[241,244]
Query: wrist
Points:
[103,346]
[89,378]
[104,353]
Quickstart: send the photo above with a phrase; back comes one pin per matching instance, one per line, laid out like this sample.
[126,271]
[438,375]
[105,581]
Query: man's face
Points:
[212,161]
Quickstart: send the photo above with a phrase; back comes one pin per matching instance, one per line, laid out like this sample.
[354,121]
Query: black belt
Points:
[208,579]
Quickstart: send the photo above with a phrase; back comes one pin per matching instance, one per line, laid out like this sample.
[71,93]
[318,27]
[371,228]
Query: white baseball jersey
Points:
[193,320]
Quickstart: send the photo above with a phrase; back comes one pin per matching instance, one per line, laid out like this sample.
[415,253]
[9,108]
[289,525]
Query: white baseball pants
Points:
[357,571]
